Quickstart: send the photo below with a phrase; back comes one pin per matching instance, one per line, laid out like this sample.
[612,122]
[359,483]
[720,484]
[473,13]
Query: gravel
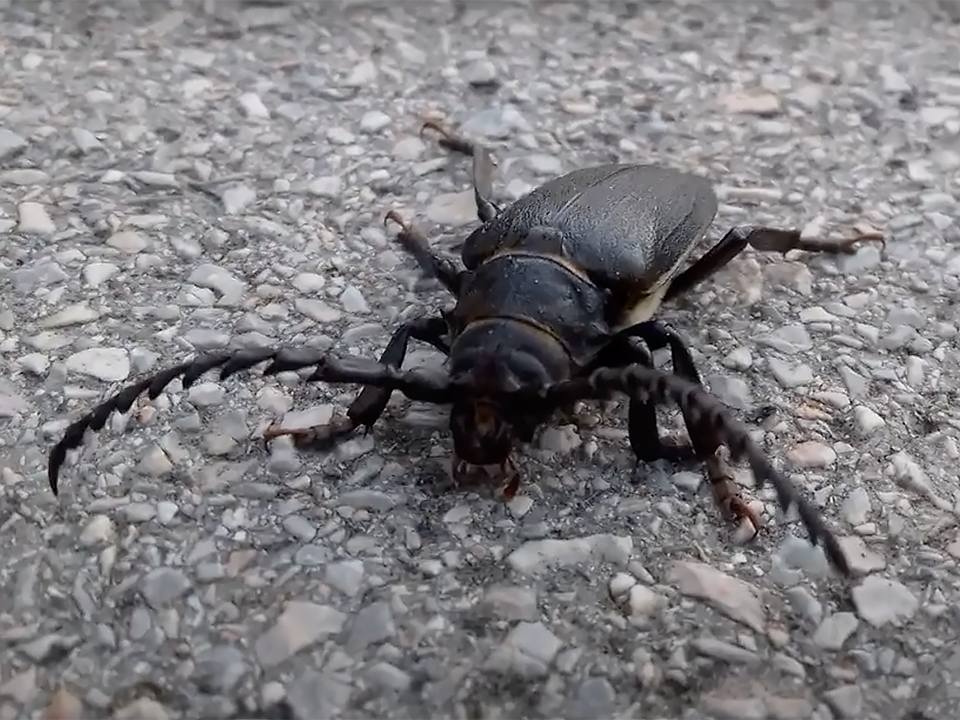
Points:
[183,177]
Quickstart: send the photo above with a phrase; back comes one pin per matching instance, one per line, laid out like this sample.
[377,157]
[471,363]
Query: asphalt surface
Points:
[177,178]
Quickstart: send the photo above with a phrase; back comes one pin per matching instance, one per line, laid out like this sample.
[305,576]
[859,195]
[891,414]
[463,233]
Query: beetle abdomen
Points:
[540,290]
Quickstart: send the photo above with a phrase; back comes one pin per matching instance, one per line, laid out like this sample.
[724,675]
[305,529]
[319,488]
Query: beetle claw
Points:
[448,139]
[434,125]
[321,437]
[394,216]
[731,502]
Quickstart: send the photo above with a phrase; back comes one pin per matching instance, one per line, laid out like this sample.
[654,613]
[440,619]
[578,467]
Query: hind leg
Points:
[763,239]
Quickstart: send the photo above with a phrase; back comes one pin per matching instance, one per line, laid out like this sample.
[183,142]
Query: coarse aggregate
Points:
[180,177]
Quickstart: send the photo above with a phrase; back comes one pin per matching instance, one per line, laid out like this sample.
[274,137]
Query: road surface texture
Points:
[183,177]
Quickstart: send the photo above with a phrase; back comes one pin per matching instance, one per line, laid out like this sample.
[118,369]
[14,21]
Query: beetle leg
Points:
[763,239]
[727,495]
[705,442]
[642,426]
[483,166]
[369,405]
[655,386]
[466,475]
[658,336]
[417,244]
[448,139]
[511,475]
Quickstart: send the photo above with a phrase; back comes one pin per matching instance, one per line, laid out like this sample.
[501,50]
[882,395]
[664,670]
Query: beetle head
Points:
[491,362]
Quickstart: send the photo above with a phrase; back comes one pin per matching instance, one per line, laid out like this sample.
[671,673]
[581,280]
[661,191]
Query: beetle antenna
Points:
[152,386]
[327,368]
[647,384]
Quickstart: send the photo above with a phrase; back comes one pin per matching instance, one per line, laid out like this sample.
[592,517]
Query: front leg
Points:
[644,433]
[704,444]
[369,405]
[650,385]
[483,166]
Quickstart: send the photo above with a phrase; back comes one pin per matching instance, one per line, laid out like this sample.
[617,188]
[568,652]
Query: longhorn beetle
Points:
[553,296]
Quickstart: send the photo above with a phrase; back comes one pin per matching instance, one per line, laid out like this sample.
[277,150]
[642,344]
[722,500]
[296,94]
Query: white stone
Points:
[867,419]
[99,529]
[253,106]
[33,218]
[107,364]
[620,585]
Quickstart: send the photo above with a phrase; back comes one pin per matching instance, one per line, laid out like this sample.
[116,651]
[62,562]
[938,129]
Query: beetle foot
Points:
[320,437]
[843,246]
[730,500]
[396,217]
[410,237]
[511,475]
[578,417]
[449,139]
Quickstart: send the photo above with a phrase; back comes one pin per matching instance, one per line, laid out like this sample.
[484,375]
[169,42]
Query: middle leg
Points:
[433,265]
[704,442]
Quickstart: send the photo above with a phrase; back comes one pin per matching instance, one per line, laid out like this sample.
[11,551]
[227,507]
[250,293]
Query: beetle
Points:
[554,303]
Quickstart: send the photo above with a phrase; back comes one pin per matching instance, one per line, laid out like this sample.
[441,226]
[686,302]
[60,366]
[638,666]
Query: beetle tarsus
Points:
[841,246]
[449,139]
[762,239]
[482,170]
[320,437]
[728,496]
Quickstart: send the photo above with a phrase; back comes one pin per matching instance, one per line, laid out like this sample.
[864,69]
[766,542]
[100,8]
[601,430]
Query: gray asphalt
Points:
[184,177]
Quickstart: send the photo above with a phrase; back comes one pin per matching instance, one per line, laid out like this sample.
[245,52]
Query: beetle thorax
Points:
[502,355]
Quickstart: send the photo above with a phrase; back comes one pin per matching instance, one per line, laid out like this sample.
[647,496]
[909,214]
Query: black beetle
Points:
[555,291]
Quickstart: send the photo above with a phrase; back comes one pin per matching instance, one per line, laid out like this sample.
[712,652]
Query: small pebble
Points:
[33,218]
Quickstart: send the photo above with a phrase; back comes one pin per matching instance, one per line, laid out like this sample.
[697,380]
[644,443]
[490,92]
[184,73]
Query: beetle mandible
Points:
[553,295]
